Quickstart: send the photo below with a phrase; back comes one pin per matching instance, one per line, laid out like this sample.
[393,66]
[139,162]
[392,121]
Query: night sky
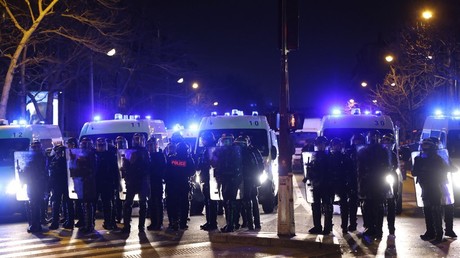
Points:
[239,39]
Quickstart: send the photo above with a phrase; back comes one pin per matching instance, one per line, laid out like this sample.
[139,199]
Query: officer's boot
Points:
[108,220]
[379,220]
[55,208]
[229,216]
[242,213]
[63,211]
[256,213]
[344,216]
[88,226]
[437,218]
[328,211]
[449,220]
[127,219]
[316,213]
[207,208]
[70,219]
[248,214]
[35,212]
[79,214]
[429,234]
[142,215]
[44,219]
[353,209]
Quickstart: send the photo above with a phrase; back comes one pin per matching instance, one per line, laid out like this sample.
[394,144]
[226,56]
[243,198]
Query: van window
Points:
[9,146]
[346,133]
[112,136]
[453,143]
[301,139]
[259,137]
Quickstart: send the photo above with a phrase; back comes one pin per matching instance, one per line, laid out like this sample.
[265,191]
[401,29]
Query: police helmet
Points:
[182,149]
[357,139]
[72,141]
[428,145]
[86,143]
[35,145]
[177,137]
[373,136]
[101,144]
[121,143]
[321,140]
[59,149]
[225,140]
[208,138]
[138,140]
[241,141]
[152,143]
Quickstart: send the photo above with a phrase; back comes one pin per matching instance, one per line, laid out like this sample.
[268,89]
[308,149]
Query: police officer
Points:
[137,177]
[228,175]
[317,174]
[106,180]
[59,186]
[120,144]
[180,167]
[341,173]
[373,166]
[204,165]
[388,140]
[70,209]
[431,172]
[357,140]
[87,163]
[35,175]
[259,168]
[157,173]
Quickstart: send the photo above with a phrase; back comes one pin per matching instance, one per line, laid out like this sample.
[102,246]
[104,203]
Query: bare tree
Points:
[33,24]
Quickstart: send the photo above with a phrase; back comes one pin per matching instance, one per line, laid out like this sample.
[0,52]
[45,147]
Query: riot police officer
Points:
[137,177]
[227,170]
[59,186]
[157,173]
[373,166]
[357,141]
[120,144]
[431,172]
[87,164]
[388,141]
[35,175]
[259,168]
[70,209]
[204,165]
[341,173]
[180,167]
[106,180]
[317,174]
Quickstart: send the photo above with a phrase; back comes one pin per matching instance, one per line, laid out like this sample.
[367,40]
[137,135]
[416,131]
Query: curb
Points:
[328,244]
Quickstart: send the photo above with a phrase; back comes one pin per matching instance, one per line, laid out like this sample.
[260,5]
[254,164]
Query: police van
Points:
[16,139]
[261,136]
[126,126]
[343,126]
[447,130]
[303,138]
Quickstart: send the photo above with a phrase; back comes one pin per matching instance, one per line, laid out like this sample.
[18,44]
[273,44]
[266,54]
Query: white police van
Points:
[446,128]
[17,138]
[343,126]
[262,137]
[126,126]
[304,137]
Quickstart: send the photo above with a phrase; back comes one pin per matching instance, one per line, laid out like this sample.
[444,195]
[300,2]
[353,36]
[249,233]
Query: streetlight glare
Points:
[215,103]
[195,85]
[112,52]
[181,80]
[427,14]
[389,58]
[364,84]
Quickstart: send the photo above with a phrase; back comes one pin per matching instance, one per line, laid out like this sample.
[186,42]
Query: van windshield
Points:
[259,137]
[9,146]
[300,139]
[112,136]
[453,143]
[346,133]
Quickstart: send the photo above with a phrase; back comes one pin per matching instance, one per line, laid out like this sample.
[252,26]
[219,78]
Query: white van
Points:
[343,126]
[17,138]
[126,126]
[447,130]
[262,137]
[302,138]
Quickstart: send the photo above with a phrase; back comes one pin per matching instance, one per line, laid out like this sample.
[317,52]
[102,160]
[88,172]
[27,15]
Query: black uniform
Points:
[87,175]
[106,184]
[204,165]
[352,189]
[180,167]
[157,173]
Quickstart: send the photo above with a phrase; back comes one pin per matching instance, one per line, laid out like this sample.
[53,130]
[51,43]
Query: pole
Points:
[286,225]
[91,85]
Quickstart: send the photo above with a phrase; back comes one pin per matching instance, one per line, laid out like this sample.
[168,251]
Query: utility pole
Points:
[288,36]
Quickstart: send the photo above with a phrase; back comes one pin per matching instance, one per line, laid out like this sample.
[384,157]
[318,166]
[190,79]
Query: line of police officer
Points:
[357,175]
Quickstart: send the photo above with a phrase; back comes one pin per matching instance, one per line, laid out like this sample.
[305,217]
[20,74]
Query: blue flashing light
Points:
[378,113]
[438,112]
[367,112]
[255,113]
[148,117]
[97,118]
[213,113]
[336,111]
[456,112]
[193,127]
[177,127]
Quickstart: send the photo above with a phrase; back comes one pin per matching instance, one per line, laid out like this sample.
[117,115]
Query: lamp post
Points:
[111,52]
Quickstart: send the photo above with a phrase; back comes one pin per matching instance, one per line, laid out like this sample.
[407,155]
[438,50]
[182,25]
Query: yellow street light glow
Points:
[364,84]
[393,84]
[389,58]
[195,85]
[427,14]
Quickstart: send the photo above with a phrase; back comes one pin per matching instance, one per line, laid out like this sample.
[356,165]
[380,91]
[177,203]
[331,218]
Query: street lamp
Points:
[427,14]
[111,52]
[389,58]
[364,84]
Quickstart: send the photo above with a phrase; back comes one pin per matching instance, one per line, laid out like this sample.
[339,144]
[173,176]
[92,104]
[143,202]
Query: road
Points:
[16,242]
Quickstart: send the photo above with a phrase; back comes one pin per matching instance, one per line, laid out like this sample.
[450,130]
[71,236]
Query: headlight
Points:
[263,177]
[12,187]
[390,179]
